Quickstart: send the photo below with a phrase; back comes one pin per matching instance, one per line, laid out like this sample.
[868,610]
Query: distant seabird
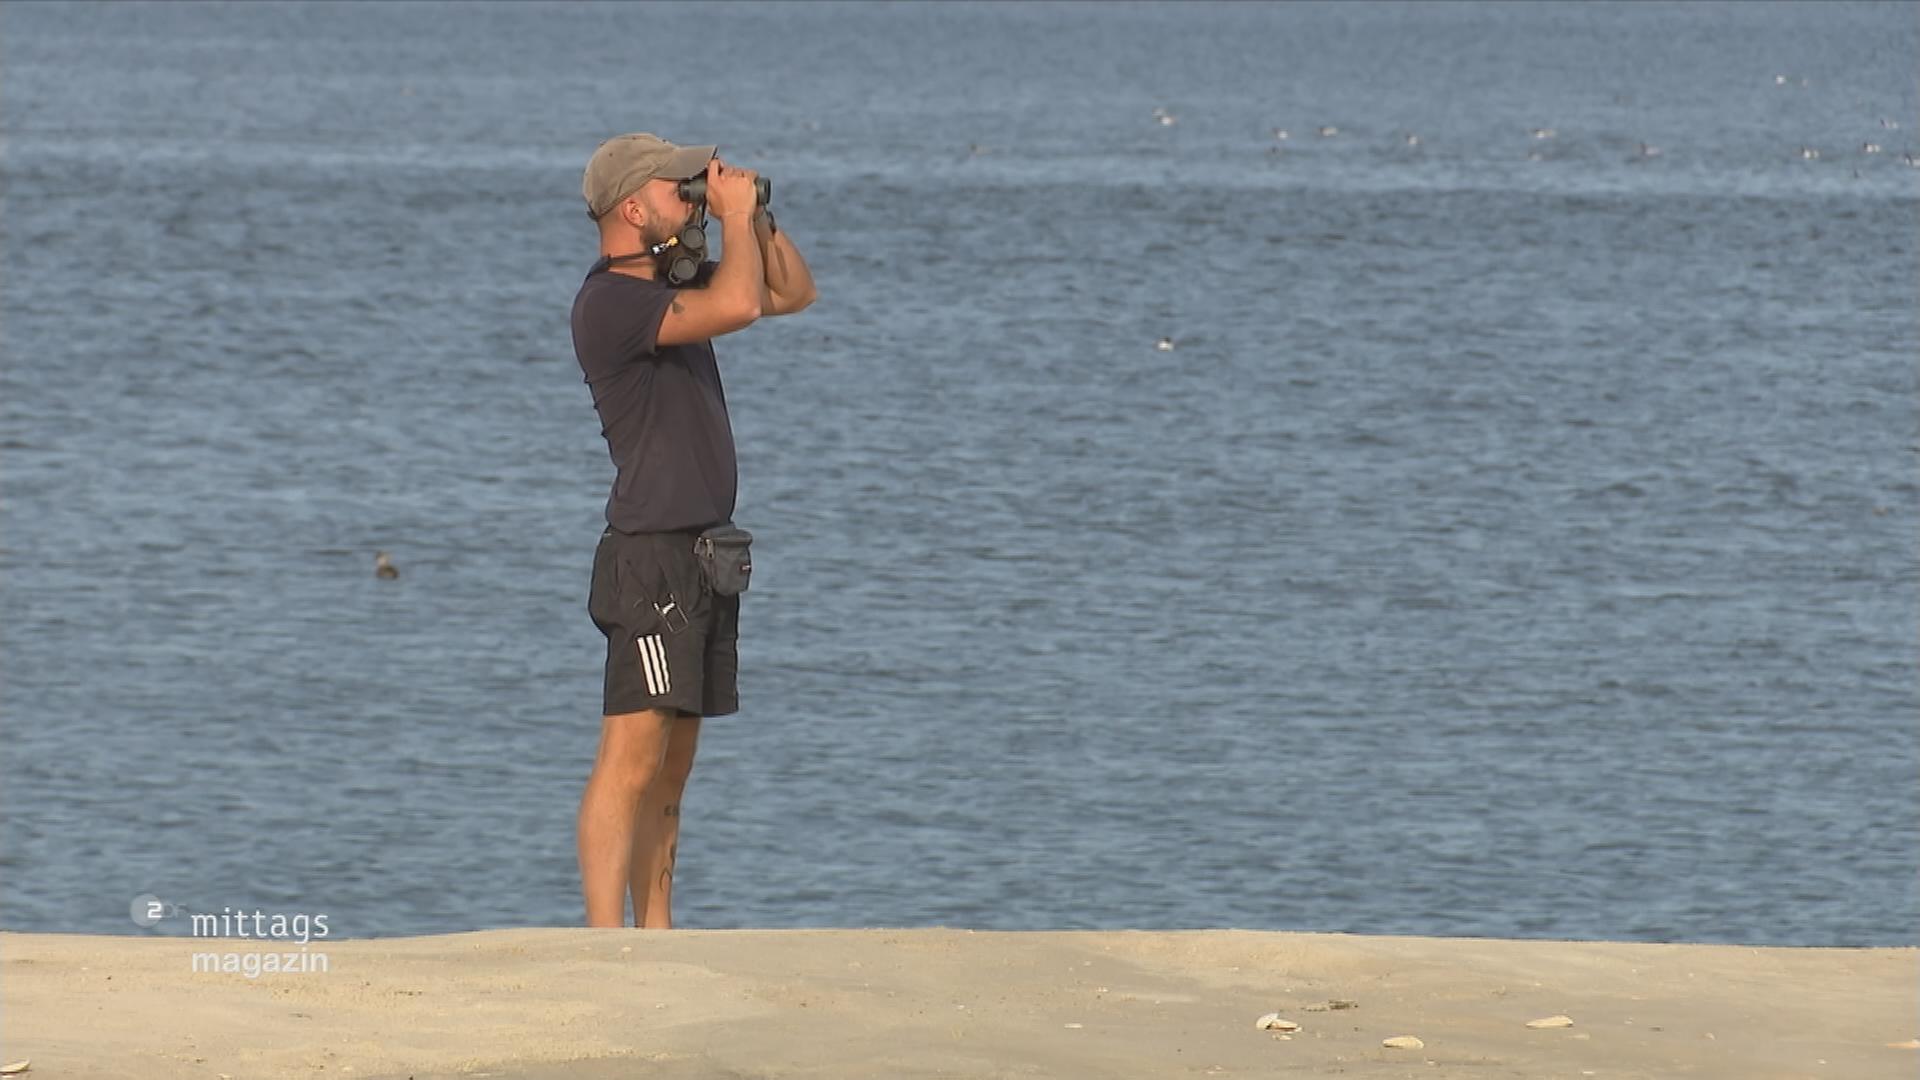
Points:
[1412,139]
[1165,344]
[383,567]
[1544,133]
[1808,153]
[1328,131]
[1281,134]
[1870,148]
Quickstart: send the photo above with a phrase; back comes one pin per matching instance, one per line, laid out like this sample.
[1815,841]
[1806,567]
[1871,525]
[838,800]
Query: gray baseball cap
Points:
[623,163]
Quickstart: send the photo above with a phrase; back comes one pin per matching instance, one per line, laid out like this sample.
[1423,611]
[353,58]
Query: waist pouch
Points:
[725,554]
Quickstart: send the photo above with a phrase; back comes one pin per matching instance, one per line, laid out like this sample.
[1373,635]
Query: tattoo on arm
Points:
[676,306]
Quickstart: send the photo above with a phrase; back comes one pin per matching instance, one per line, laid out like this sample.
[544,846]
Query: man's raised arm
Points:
[789,284]
[732,299]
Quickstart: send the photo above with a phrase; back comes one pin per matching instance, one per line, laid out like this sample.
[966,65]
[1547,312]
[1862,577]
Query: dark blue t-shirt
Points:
[661,409]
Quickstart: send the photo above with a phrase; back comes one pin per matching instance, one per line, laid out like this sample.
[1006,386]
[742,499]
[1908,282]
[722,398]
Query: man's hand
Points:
[735,296]
[730,190]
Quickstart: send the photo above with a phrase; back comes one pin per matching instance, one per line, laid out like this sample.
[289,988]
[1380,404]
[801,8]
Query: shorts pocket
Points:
[641,587]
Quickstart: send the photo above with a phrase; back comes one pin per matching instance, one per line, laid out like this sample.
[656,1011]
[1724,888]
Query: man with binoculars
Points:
[670,566]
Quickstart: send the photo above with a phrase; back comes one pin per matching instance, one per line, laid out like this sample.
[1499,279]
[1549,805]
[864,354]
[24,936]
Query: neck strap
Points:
[607,261]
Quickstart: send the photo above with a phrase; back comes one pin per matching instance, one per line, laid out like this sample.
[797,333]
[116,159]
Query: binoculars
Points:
[694,190]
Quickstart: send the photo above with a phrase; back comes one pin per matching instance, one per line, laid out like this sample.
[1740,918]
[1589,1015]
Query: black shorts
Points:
[671,643]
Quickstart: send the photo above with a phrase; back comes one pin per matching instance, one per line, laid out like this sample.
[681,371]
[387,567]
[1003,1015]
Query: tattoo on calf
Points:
[666,872]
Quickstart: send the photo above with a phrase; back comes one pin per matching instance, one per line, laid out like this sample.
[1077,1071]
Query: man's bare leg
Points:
[656,834]
[632,747]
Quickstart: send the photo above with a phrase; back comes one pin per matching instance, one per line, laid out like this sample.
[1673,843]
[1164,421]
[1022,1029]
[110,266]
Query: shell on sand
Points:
[1275,1022]
[1551,1022]
[1402,1042]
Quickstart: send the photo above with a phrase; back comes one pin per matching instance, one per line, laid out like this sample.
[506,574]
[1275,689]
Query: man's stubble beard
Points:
[666,232]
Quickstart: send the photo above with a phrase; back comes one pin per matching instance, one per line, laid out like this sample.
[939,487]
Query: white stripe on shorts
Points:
[645,645]
[660,656]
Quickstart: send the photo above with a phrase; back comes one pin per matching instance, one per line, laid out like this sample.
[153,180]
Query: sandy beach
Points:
[575,1004]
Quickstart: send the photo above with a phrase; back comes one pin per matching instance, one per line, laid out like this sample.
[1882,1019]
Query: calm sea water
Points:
[1519,539]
